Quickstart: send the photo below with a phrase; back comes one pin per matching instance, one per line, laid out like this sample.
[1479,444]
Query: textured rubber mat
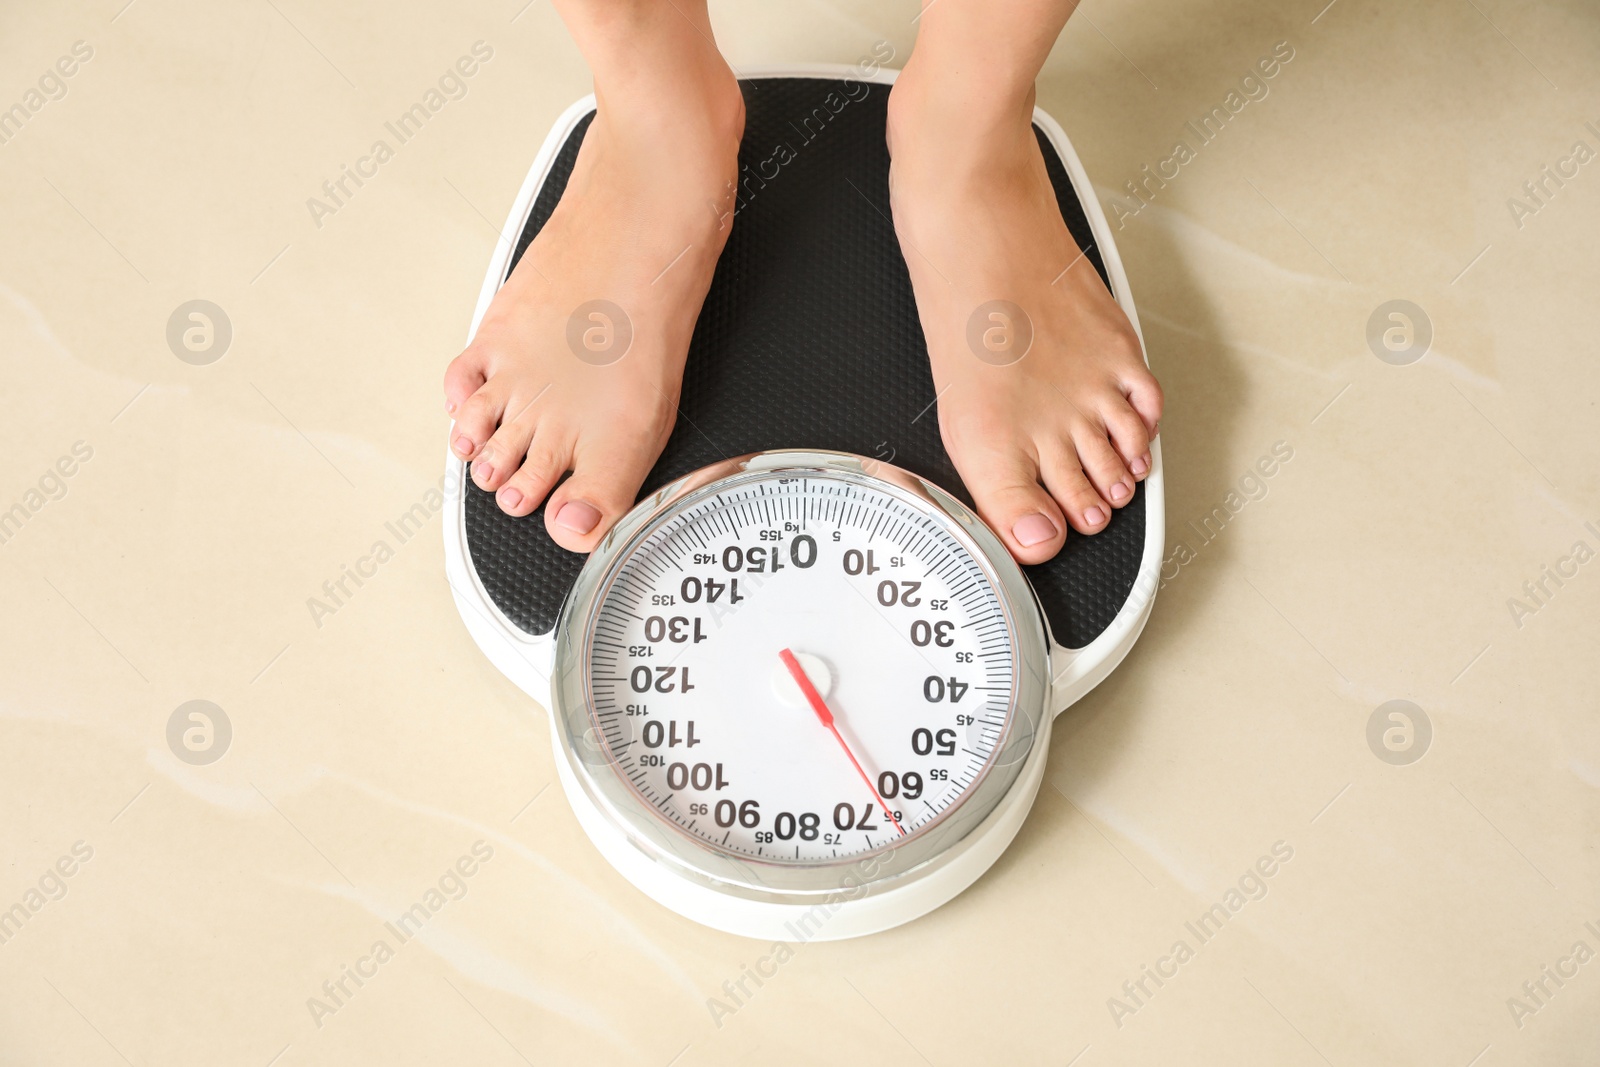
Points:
[809,338]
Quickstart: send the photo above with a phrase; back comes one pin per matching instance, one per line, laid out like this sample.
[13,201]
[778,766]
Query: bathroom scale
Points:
[801,691]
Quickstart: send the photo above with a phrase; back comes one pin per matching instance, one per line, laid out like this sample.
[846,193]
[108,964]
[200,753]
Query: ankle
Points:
[657,72]
[965,118]
[684,108]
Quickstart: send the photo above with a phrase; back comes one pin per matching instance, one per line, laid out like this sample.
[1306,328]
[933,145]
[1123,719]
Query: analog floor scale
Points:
[801,690]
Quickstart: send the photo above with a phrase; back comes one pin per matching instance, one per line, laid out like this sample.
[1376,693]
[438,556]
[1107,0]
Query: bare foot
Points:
[1045,404]
[578,362]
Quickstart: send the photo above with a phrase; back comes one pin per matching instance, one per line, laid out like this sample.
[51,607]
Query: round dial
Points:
[801,667]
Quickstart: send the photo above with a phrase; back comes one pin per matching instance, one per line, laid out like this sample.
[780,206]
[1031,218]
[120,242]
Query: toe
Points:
[500,457]
[1005,486]
[1144,395]
[464,376]
[476,419]
[1129,436]
[606,475]
[549,456]
[1103,466]
[1085,509]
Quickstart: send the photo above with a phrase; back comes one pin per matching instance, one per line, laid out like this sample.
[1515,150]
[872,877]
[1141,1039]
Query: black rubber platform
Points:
[809,338]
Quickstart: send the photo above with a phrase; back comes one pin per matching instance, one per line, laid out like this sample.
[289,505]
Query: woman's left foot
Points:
[1045,403]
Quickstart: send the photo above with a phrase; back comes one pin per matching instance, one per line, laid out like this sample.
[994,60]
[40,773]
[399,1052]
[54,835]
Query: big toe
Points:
[1005,486]
[606,476]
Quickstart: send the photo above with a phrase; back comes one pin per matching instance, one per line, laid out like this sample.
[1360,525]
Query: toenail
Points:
[463,446]
[1030,530]
[449,407]
[481,471]
[577,516]
[1094,517]
[1119,493]
[509,497]
[1139,467]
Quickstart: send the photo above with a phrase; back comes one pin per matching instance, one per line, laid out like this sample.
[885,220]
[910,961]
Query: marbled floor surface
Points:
[1431,539]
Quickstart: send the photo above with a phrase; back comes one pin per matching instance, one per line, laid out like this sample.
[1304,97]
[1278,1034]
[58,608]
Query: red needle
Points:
[821,708]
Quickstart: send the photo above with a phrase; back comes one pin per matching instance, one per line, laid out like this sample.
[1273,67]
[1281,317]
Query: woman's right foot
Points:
[578,362]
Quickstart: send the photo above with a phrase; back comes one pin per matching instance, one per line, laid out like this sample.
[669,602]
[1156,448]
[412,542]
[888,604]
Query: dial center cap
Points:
[787,690]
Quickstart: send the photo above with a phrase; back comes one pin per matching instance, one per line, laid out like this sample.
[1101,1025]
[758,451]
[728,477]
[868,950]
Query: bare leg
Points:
[546,386]
[1059,436]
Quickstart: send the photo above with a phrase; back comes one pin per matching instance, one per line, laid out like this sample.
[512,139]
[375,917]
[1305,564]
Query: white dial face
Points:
[799,668]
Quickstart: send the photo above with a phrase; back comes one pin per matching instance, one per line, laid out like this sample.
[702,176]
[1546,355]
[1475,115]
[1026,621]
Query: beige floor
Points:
[368,753]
